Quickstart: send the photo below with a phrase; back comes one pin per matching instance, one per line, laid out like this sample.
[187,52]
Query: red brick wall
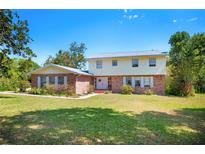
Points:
[71,79]
[117,82]
[158,87]
[82,84]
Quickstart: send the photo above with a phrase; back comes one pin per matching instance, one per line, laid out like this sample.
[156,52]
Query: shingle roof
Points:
[73,70]
[130,54]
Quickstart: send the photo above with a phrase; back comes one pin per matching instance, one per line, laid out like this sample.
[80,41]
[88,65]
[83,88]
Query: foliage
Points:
[74,57]
[50,89]
[18,70]
[127,89]
[7,84]
[23,85]
[37,91]
[148,92]
[91,88]
[107,92]
[14,38]
[198,48]
[181,61]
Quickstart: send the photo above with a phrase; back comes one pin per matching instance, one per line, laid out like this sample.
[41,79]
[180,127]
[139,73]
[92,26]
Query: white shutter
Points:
[124,80]
[56,82]
[39,81]
[65,81]
[47,80]
[142,82]
[151,82]
[133,82]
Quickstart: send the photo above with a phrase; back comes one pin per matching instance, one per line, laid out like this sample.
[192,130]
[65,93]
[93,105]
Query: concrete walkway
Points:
[48,96]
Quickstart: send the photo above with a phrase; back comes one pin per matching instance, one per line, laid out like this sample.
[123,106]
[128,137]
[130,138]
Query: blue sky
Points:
[108,30]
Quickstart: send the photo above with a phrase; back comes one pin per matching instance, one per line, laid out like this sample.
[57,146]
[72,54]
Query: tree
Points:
[74,57]
[14,38]
[198,48]
[181,61]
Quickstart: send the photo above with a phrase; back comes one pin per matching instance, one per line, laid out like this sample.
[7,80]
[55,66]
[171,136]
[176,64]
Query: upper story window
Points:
[152,62]
[114,63]
[99,64]
[135,62]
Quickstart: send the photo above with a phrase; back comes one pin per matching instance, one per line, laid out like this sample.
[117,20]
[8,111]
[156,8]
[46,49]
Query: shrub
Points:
[50,89]
[148,92]
[70,91]
[91,89]
[107,92]
[126,89]
[36,91]
[8,84]
[23,85]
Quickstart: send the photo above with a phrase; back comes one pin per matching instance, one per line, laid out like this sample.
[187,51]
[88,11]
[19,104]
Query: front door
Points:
[102,83]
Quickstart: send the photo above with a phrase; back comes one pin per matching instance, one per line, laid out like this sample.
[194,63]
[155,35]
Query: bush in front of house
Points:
[127,89]
[37,91]
[50,90]
[91,89]
[23,85]
[148,92]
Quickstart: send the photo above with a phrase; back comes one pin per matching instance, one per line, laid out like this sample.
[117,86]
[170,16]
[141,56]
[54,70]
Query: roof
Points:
[130,54]
[70,69]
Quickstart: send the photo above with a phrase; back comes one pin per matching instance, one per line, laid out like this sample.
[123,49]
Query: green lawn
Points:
[103,119]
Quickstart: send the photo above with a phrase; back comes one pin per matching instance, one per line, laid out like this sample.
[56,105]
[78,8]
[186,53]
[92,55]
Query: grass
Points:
[103,119]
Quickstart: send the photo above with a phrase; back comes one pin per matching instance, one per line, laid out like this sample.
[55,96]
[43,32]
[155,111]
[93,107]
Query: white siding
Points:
[125,67]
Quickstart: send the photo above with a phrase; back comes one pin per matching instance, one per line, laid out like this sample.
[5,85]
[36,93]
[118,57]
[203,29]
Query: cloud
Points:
[192,19]
[174,21]
[131,17]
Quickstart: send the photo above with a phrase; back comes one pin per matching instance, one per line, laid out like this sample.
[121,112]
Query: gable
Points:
[51,70]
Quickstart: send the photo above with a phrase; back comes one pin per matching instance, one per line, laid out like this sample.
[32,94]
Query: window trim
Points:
[116,63]
[98,63]
[137,62]
[152,64]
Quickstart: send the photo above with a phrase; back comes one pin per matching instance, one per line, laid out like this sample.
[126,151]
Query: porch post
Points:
[38,82]
[142,82]
[47,80]
[56,82]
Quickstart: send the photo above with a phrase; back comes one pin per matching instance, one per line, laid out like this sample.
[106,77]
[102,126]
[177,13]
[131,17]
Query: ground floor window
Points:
[51,80]
[147,82]
[137,82]
[43,81]
[128,81]
[60,80]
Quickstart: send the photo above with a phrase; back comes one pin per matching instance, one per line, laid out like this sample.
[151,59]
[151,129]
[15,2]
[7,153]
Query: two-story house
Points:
[141,70]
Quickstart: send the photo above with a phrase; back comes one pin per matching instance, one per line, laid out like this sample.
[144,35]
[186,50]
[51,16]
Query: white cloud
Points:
[130,17]
[192,19]
[174,21]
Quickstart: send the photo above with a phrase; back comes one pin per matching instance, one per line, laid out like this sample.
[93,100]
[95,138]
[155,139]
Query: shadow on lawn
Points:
[103,126]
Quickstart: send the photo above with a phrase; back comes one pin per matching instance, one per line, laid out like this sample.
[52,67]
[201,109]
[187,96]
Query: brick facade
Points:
[79,84]
[158,85]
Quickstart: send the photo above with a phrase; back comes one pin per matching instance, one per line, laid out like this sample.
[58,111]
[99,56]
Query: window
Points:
[99,64]
[51,80]
[114,62]
[135,62]
[60,80]
[152,62]
[137,82]
[43,81]
[128,81]
[147,82]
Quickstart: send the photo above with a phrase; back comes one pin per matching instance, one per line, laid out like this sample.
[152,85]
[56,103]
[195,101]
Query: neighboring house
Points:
[142,70]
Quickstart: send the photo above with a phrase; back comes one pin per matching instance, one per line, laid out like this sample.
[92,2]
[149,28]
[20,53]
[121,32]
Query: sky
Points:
[106,31]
